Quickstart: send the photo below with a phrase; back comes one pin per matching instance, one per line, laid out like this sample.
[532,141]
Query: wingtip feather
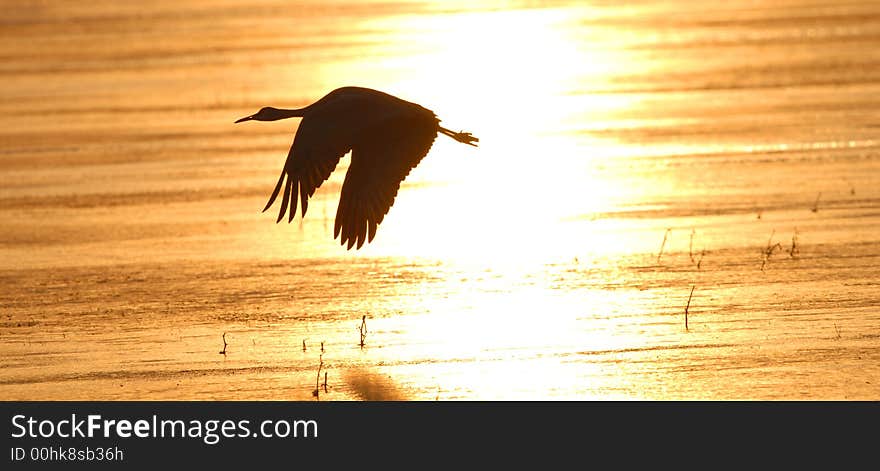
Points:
[275,191]
[292,203]
[285,200]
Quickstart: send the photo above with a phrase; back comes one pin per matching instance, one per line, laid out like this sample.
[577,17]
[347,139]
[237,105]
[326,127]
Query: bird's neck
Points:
[281,113]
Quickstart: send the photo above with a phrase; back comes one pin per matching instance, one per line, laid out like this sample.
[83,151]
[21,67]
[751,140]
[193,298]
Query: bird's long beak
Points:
[246,118]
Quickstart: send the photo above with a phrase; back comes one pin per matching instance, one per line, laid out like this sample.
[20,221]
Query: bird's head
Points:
[265,114]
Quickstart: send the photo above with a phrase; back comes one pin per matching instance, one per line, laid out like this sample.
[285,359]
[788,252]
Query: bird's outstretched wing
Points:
[382,156]
[315,152]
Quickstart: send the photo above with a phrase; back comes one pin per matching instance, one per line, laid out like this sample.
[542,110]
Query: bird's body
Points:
[387,138]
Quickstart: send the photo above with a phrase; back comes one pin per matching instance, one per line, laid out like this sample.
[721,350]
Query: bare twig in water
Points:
[687,308]
[663,244]
[794,250]
[837,330]
[322,347]
[694,260]
[317,391]
[325,381]
[363,331]
[691,246]
[223,352]
[770,249]
[304,344]
[815,207]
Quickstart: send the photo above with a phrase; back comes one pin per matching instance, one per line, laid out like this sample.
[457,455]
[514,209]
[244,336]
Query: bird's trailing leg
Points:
[463,137]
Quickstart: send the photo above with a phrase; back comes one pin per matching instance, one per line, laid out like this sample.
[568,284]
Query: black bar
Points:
[354,433]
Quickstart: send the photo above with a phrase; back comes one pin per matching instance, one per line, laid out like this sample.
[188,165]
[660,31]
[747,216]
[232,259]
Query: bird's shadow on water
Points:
[371,386]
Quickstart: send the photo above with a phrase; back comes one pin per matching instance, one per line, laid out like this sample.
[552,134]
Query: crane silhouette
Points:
[387,138]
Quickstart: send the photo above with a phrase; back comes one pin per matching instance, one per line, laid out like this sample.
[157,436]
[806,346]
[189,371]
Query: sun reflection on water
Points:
[517,325]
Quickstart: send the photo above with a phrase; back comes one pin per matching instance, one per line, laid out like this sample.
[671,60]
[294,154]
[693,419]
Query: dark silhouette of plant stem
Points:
[770,249]
[223,352]
[691,246]
[687,308]
[317,391]
[794,250]
[363,331]
[663,244]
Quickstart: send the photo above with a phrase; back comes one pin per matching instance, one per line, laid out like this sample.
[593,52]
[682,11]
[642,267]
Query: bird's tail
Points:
[463,137]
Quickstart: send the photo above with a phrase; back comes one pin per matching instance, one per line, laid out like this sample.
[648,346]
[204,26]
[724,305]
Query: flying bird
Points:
[387,137]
